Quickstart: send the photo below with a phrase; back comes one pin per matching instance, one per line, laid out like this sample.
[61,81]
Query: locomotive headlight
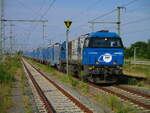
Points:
[97,62]
[119,67]
[90,68]
[114,62]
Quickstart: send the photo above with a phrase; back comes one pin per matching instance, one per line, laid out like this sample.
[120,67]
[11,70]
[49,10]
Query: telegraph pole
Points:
[118,22]
[135,48]
[118,18]
[44,32]
[134,54]
[1,26]
[28,21]
[11,39]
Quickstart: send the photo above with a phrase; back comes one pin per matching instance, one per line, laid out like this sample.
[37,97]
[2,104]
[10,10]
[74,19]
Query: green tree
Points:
[141,49]
[148,49]
[128,53]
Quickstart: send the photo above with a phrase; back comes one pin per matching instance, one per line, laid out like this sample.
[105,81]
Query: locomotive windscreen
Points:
[105,43]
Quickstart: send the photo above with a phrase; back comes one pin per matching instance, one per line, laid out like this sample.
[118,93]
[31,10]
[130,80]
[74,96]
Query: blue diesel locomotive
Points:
[97,57]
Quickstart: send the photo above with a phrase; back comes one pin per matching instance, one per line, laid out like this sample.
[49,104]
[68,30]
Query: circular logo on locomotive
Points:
[107,57]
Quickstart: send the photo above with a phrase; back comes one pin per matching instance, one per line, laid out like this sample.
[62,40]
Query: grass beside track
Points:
[138,71]
[8,69]
[11,71]
[109,100]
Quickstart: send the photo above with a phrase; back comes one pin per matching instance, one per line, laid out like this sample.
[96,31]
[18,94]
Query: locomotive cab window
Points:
[62,48]
[105,43]
[86,43]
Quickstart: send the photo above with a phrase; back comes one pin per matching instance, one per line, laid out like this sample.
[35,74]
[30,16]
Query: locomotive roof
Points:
[103,34]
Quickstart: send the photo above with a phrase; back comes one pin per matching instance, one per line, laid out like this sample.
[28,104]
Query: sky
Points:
[135,20]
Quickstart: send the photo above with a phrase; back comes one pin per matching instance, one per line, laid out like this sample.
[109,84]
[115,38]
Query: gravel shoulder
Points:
[21,96]
[17,100]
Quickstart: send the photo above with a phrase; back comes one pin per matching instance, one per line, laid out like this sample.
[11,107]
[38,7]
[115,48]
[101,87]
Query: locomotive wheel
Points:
[61,67]
[91,78]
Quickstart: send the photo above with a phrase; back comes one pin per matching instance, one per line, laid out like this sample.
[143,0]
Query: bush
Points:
[113,102]
[132,81]
[83,76]
[70,79]
[5,77]
[84,87]
[74,82]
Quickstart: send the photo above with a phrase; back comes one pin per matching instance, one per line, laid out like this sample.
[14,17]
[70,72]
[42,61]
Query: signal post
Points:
[68,24]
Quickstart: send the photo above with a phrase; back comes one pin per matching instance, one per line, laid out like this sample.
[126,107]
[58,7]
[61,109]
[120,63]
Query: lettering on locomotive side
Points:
[92,53]
[118,53]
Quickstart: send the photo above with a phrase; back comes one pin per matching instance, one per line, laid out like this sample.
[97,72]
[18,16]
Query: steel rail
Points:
[74,100]
[121,96]
[133,91]
[47,104]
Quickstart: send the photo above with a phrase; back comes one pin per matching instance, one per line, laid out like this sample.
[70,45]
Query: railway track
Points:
[49,96]
[138,99]
[132,90]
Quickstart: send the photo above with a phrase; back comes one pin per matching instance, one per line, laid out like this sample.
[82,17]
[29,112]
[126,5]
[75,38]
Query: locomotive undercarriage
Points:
[102,74]
[96,74]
